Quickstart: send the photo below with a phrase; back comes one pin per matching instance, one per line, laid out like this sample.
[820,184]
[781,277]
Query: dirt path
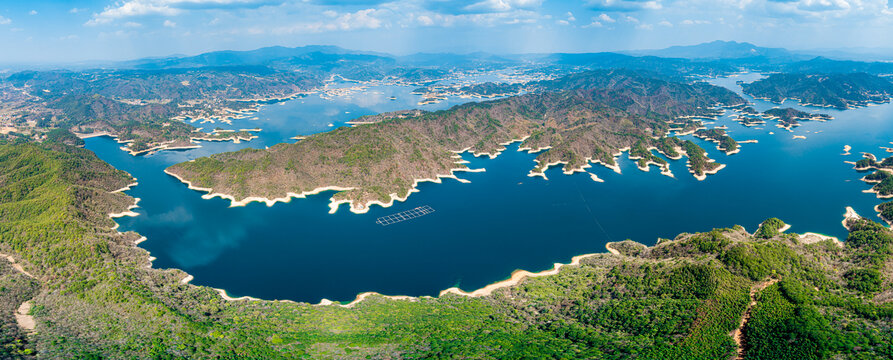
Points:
[24,320]
[736,334]
[16,265]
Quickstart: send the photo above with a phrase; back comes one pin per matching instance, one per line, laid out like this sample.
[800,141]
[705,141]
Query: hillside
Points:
[577,119]
[92,294]
[839,91]
[142,107]
[722,50]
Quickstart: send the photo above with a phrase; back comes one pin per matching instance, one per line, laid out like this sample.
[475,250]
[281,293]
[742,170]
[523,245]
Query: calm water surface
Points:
[503,220]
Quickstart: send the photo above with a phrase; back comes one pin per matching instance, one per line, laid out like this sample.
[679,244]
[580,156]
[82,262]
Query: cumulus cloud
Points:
[132,8]
[362,19]
[425,20]
[605,18]
[453,7]
[819,9]
[624,5]
[170,24]
[32,12]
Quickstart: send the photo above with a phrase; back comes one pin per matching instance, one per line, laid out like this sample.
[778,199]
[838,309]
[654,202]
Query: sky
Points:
[55,31]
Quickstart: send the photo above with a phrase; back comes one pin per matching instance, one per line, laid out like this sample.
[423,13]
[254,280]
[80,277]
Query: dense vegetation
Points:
[724,142]
[95,297]
[788,117]
[769,228]
[886,211]
[835,90]
[578,118]
[881,176]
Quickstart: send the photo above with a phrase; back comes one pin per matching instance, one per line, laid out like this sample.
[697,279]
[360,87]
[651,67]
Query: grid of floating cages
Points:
[404,215]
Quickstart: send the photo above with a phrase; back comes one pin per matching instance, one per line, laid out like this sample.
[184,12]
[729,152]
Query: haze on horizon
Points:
[47,31]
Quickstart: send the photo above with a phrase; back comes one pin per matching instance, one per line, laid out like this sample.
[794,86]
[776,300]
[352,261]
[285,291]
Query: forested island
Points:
[575,120]
[881,177]
[698,296]
[836,90]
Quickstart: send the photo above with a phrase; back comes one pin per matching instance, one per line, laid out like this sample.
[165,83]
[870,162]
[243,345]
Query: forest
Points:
[94,296]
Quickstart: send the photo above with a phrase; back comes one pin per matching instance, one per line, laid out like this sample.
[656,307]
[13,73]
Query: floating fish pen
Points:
[404,215]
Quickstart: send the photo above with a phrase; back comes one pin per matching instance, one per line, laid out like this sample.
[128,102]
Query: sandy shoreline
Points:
[127,212]
[226,296]
[516,277]
[784,228]
[333,204]
[128,187]
[850,214]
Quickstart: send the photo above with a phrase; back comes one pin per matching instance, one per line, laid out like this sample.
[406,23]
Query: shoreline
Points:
[784,228]
[849,214]
[129,211]
[128,187]
[333,204]
[362,208]
[812,238]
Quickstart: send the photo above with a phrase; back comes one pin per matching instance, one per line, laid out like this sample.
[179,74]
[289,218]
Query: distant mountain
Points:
[721,50]
[274,56]
[608,60]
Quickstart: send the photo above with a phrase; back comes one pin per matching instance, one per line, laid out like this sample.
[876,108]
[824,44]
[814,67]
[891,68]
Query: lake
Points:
[503,220]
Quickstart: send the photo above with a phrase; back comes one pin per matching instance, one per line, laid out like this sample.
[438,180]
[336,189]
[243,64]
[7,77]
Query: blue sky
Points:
[75,30]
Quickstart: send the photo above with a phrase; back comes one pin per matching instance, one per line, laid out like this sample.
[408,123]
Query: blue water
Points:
[503,220]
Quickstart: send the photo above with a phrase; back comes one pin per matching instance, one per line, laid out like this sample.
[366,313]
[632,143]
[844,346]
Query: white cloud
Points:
[594,24]
[695,22]
[132,24]
[170,24]
[5,21]
[631,19]
[32,12]
[501,5]
[665,23]
[645,27]
[132,8]
[570,16]
[76,10]
[624,5]
[69,37]
[425,20]
[605,18]
[362,19]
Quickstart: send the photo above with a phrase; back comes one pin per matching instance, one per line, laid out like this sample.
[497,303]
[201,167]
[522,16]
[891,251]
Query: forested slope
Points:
[94,296]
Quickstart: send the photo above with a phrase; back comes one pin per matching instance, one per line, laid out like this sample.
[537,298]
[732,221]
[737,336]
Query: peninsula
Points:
[579,119]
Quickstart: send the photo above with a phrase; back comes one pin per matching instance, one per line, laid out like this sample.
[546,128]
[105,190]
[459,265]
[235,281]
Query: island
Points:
[881,176]
[576,120]
[835,90]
